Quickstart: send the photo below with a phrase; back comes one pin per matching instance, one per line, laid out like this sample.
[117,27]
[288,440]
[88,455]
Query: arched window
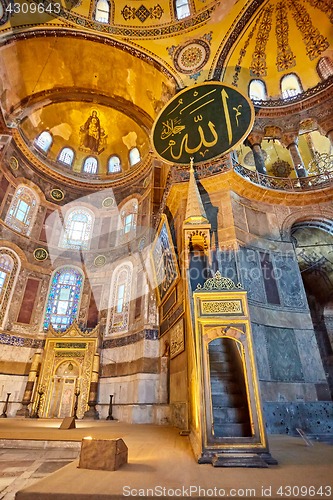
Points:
[134,156]
[121,296]
[128,220]
[22,210]
[90,165]
[257,90]
[102,12]
[114,165]
[290,86]
[44,141]
[9,267]
[77,230]
[66,156]
[325,67]
[64,298]
[182,9]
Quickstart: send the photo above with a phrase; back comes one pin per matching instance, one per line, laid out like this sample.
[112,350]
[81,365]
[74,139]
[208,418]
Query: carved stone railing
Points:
[227,163]
[286,184]
[218,166]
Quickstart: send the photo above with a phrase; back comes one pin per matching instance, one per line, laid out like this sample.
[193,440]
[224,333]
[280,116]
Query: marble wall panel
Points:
[289,281]
[251,274]
[14,384]
[283,355]
[260,347]
[310,357]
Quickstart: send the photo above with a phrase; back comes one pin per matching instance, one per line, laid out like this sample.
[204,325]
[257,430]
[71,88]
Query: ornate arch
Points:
[70,279]
[23,210]
[321,220]
[9,281]
[120,298]
[77,239]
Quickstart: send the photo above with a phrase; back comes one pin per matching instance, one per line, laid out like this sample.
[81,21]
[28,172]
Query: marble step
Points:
[221,386]
[232,430]
[227,400]
[230,415]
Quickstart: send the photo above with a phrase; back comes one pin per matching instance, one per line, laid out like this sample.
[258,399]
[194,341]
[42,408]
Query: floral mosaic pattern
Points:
[315,42]
[22,210]
[258,66]
[285,57]
[191,56]
[64,298]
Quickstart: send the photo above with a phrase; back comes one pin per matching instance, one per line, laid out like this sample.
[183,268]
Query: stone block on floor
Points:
[103,454]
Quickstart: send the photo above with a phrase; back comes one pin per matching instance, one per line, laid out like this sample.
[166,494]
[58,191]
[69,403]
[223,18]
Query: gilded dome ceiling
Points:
[129,67]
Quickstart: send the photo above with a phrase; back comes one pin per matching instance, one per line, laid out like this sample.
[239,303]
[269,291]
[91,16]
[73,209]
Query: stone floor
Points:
[42,465]
[23,466]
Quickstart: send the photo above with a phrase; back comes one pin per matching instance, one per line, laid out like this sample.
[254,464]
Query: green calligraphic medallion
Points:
[202,122]
[40,254]
[57,194]
[13,163]
[100,261]
[108,202]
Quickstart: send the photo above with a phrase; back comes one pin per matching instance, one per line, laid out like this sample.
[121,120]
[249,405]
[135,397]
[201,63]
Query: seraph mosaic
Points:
[164,261]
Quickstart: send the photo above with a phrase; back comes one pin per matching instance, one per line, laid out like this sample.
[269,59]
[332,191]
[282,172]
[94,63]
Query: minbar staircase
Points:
[230,407]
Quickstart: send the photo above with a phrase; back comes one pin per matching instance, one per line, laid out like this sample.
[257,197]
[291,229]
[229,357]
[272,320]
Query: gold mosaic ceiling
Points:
[135,63]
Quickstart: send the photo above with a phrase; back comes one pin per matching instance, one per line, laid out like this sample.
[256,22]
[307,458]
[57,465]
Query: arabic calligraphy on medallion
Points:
[203,121]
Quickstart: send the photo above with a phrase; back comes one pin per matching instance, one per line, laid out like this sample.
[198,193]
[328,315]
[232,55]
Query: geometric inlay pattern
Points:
[142,13]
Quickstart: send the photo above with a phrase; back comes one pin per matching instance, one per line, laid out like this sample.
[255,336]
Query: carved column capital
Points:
[325,127]
[288,139]
[255,137]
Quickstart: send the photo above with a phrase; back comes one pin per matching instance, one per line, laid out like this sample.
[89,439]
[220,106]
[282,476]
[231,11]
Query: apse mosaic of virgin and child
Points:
[93,137]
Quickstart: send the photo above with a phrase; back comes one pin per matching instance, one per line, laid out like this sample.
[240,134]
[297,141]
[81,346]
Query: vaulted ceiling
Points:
[134,64]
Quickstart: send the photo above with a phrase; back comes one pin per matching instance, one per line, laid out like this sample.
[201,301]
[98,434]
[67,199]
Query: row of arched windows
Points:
[63,300]
[102,10]
[78,223]
[90,165]
[290,85]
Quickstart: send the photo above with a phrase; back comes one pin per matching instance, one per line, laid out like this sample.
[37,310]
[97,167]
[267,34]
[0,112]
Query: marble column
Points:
[290,141]
[24,411]
[92,402]
[254,141]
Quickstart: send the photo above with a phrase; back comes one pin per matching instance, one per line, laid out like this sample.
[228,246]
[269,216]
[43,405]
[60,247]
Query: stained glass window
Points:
[66,156]
[121,297]
[64,297]
[134,156]
[290,86]
[44,141]
[257,90]
[182,9]
[22,210]
[102,11]
[114,165]
[128,220]
[90,165]
[77,229]
[9,266]
[6,265]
